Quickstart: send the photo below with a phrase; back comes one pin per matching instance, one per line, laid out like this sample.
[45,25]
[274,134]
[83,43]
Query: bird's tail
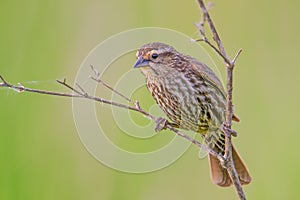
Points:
[220,176]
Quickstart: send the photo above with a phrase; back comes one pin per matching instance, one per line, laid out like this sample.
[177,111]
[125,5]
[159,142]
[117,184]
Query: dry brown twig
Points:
[228,164]
[81,93]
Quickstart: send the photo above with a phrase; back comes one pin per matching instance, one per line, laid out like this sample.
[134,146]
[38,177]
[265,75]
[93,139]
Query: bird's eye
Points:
[154,55]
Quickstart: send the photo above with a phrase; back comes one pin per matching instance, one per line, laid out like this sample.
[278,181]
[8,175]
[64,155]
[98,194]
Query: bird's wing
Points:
[202,70]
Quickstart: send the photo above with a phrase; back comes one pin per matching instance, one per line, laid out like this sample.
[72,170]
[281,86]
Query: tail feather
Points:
[241,168]
[220,176]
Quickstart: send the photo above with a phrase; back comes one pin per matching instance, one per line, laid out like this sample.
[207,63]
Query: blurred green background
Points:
[41,156]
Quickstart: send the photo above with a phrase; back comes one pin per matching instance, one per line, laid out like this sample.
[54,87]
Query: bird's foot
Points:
[225,162]
[228,131]
[160,124]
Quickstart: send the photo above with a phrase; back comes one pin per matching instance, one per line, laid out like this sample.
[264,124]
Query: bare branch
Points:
[213,29]
[97,79]
[236,57]
[83,94]
[66,85]
[21,88]
[204,39]
[229,106]
[3,82]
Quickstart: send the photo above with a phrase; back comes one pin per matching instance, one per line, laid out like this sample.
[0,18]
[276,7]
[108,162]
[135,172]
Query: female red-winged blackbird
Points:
[192,97]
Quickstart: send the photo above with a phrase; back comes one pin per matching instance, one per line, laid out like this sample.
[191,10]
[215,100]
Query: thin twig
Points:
[66,85]
[83,94]
[215,34]
[97,79]
[204,39]
[229,106]
[3,81]
[236,57]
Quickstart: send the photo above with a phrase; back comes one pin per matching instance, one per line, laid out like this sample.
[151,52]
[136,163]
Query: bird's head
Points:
[154,55]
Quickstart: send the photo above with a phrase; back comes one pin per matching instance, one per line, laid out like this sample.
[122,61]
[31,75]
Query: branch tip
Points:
[95,71]
[3,83]
[227,159]
[236,57]
[209,5]
[83,92]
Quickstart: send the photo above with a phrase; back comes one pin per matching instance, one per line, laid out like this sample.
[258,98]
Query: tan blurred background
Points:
[41,156]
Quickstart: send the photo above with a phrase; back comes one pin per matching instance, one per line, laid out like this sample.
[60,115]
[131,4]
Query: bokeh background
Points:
[41,156]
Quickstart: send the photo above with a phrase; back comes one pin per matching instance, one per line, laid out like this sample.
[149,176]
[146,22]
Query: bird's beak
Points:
[141,62]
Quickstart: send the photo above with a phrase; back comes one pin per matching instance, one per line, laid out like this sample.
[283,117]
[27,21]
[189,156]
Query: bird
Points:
[193,98]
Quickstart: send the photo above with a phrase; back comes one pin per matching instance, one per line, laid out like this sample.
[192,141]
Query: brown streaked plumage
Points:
[192,97]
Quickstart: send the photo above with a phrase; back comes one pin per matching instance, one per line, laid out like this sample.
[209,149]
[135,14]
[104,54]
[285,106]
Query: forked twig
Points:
[81,93]
[229,106]
[97,79]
